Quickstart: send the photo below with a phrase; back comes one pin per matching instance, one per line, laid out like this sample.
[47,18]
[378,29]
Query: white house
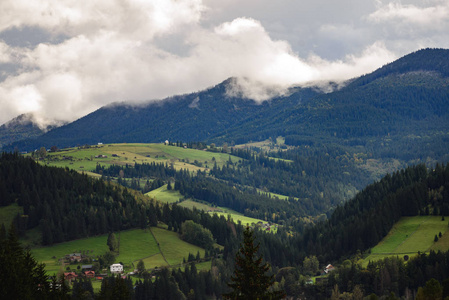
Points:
[116,268]
[329,268]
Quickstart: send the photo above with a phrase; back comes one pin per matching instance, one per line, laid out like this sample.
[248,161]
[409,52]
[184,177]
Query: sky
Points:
[62,59]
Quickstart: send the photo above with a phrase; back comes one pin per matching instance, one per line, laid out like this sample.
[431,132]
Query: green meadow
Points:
[173,248]
[163,195]
[84,159]
[135,244]
[410,235]
[221,211]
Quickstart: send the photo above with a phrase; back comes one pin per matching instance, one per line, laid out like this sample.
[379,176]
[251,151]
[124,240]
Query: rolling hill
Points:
[394,112]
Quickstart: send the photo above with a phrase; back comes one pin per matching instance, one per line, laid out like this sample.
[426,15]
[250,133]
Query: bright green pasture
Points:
[173,248]
[236,216]
[281,197]
[198,205]
[136,244]
[181,158]
[154,261]
[193,154]
[7,214]
[408,236]
[95,245]
[163,195]
[221,211]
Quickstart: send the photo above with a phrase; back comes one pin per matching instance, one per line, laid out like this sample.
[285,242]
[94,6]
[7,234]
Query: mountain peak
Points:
[424,60]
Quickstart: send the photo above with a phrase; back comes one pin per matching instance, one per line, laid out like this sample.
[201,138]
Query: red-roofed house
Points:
[89,274]
[69,276]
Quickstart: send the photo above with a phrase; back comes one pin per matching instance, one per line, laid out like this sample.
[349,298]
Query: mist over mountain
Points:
[401,104]
[20,128]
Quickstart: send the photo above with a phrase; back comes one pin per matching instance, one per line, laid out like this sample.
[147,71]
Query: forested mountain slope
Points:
[363,221]
[396,111]
[19,128]
[193,117]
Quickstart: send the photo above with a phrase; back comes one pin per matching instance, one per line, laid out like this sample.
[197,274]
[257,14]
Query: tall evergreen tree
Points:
[249,280]
[112,242]
[22,277]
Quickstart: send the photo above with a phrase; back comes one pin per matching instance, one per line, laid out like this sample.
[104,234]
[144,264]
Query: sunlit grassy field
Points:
[163,195]
[173,248]
[83,159]
[410,235]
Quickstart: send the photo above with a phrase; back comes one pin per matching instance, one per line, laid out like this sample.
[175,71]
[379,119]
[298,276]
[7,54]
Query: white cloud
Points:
[434,16]
[138,18]
[117,50]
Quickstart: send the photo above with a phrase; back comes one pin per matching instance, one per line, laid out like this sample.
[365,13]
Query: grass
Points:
[155,261]
[198,205]
[163,195]
[221,211]
[236,216]
[135,244]
[181,158]
[7,214]
[410,235]
[442,244]
[50,255]
[173,248]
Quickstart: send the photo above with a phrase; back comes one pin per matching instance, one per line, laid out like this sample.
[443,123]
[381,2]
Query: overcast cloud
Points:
[62,59]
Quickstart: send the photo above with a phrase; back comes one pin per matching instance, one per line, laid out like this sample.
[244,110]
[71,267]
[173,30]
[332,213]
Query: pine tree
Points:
[112,242]
[249,280]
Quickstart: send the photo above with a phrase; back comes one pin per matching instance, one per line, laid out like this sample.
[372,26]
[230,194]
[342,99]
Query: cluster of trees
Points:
[22,277]
[196,234]
[59,196]
[393,275]
[67,205]
[312,176]
[362,222]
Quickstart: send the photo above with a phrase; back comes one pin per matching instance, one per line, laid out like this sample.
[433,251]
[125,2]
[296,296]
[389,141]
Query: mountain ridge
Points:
[408,94]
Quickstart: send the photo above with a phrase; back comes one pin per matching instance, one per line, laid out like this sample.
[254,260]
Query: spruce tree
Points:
[249,280]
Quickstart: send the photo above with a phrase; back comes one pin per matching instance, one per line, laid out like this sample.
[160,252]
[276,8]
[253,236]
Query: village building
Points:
[89,274]
[329,268]
[72,257]
[85,268]
[69,276]
[116,268]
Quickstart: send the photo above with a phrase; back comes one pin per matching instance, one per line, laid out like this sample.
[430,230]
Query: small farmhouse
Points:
[74,257]
[69,276]
[89,274]
[86,268]
[116,268]
[329,268]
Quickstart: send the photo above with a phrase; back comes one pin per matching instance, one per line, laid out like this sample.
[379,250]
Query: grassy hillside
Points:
[156,247]
[410,235]
[84,158]
[163,195]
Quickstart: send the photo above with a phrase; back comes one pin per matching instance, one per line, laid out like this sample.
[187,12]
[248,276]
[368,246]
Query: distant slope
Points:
[365,220]
[19,128]
[399,111]
[193,117]
[408,237]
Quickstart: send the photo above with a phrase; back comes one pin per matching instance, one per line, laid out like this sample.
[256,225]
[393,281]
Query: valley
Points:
[345,191]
